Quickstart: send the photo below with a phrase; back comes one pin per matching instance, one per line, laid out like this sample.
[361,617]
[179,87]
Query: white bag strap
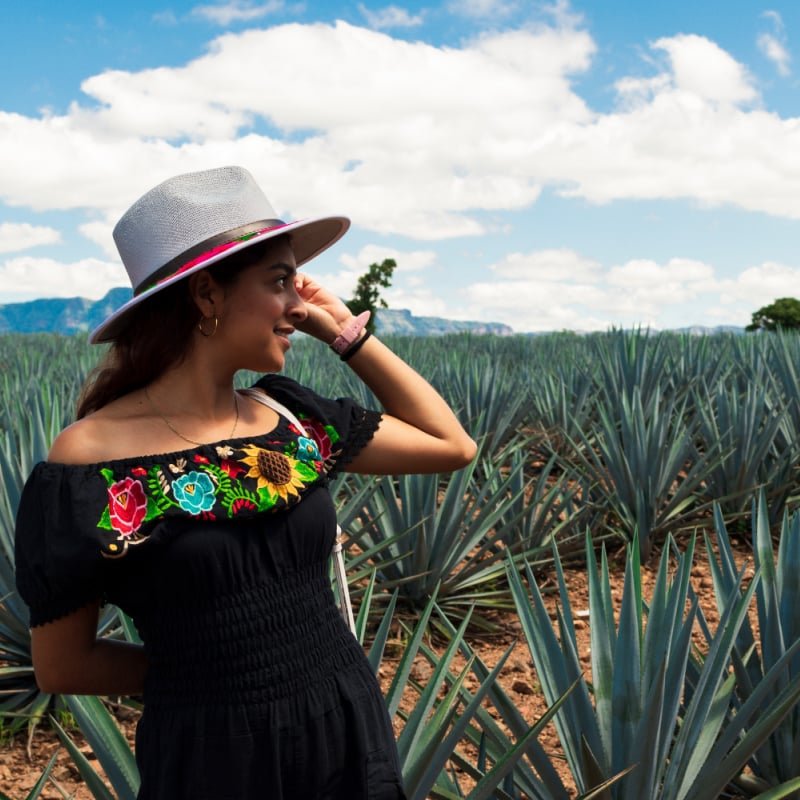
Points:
[280,408]
[345,606]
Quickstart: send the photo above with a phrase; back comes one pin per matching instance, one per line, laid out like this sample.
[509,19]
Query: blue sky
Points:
[550,165]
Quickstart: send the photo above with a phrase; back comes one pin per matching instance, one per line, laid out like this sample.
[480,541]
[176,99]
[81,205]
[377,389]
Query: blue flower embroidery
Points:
[307,449]
[194,492]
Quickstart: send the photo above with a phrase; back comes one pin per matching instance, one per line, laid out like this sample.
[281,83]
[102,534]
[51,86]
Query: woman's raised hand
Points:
[327,313]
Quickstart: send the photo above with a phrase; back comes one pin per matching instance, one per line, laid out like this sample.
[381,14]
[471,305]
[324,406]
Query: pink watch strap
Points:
[350,333]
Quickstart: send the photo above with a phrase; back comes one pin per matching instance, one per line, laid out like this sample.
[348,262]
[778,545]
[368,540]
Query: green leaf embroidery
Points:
[108,474]
[219,476]
[105,520]
[158,485]
[332,433]
[153,510]
[266,499]
[306,472]
[239,494]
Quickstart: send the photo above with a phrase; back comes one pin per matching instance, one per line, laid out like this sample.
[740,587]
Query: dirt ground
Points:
[18,773]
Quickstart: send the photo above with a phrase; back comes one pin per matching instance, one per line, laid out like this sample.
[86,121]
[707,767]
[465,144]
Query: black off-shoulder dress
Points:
[255,688]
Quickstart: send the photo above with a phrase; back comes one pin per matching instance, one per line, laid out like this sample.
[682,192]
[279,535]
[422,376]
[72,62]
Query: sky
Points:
[560,165]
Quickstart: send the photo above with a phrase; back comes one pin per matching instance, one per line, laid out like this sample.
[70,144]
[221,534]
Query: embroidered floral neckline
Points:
[249,475]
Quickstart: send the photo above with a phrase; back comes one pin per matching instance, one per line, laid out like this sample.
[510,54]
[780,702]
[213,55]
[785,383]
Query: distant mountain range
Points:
[79,315]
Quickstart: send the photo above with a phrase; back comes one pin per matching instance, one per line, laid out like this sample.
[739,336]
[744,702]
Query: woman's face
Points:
[259,311]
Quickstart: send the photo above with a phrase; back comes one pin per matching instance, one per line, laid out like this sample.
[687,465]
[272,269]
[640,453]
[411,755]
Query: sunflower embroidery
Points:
[281,475]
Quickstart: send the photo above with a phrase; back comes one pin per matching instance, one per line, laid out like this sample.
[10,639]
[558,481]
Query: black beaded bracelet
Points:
[355,347]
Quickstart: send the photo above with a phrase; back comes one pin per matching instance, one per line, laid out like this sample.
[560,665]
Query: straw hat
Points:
[194,220]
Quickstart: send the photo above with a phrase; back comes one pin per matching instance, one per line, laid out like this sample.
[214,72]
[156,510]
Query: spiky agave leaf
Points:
[635,715]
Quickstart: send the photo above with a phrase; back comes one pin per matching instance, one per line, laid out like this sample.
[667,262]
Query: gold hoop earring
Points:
[200,326]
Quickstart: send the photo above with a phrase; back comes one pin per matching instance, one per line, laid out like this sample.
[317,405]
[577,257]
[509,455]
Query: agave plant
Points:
[45,414]
[747,425]
[636,717]
[562,405]
[18,452]
[487,396]
[634,363]
[644,461]
[451,536]
[756,653]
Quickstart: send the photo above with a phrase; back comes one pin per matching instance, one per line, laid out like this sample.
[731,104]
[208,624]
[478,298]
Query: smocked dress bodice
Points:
[255,688]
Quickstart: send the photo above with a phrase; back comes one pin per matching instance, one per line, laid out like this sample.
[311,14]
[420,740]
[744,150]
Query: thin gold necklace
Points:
[186,438]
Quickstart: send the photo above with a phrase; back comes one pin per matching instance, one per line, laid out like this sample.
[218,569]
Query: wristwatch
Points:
[350,333]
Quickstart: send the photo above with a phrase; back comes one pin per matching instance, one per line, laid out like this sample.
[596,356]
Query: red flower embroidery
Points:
[231,467]
[139,471]
[316,430]
[242,503]
[127,506]
[207,515]
[198,459]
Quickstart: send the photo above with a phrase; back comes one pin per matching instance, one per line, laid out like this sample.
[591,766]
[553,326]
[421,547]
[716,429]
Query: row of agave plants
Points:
[623,434]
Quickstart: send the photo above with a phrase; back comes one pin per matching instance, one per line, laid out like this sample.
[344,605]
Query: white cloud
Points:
[407,260]
[773,45]
[390,17]
[423,161]
[100,233]
[703,69]
[555,289]
[237,11]
[17,236]
[23,277]
[422,302]
[341,283]
[408,138]
[761,284]
[482,9]
[776,52]
[548,265]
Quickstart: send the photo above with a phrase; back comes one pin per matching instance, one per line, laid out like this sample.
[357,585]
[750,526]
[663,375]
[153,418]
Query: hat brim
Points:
[310,237]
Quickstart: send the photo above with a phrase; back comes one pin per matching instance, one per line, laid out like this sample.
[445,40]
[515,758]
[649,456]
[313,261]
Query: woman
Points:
[205,514]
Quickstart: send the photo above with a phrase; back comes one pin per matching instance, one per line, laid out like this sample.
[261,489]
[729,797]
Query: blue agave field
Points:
[619,442]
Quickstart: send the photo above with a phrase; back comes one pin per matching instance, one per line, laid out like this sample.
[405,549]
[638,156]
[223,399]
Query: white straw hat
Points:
[194,220]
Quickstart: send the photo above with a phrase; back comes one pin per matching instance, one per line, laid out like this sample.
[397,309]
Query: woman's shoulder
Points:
[82,442]
[96,437]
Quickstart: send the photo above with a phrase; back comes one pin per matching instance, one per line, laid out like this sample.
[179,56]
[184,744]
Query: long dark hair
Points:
[157,335]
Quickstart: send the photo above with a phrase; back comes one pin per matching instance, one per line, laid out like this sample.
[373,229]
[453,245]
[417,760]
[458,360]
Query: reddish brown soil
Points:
[18,773]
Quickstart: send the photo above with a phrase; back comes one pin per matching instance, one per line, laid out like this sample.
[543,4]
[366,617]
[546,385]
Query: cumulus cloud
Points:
[390,17]
[407,260]
[237,11]
[555,289]
[423,302]
[23,277]
[17,236]
[423,126]
[411,138]
[548,265]
[703,69]
[761,284]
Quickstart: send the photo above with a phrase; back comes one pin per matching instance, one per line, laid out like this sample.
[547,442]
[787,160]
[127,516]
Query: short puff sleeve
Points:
[340,427]
[58,558]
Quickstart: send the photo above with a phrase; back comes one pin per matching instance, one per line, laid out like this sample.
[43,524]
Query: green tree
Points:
[367,294]
[783,313]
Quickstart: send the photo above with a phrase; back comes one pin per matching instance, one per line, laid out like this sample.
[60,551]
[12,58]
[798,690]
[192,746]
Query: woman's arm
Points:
[68,658]
[419,432]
